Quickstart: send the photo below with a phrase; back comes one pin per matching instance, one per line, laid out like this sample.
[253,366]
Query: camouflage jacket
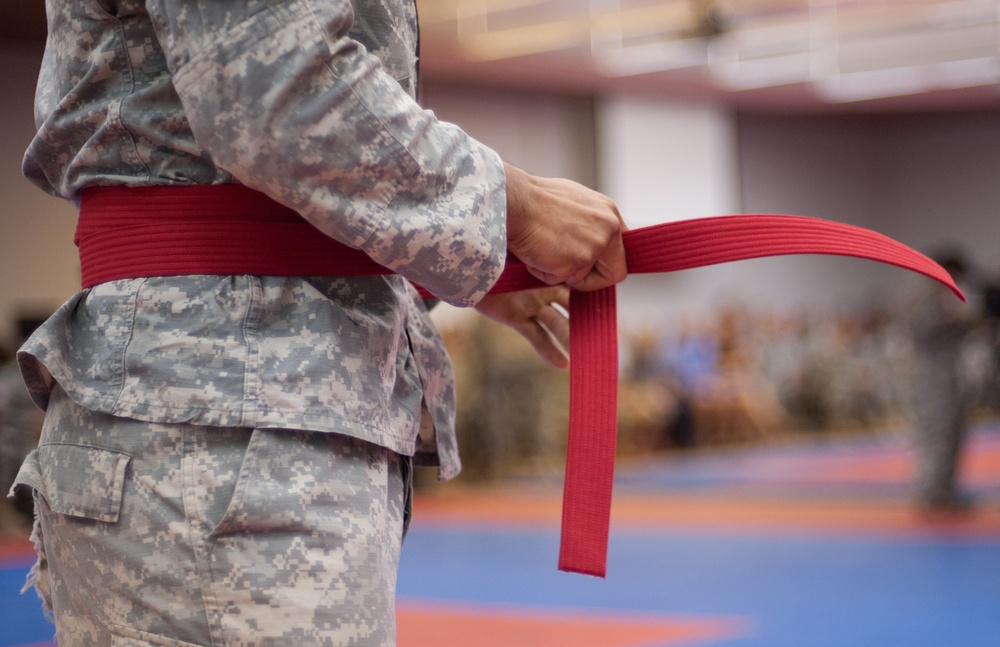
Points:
[310,102]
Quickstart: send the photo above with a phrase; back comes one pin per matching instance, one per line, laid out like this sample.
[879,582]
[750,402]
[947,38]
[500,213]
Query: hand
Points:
[531,313]
[564,232]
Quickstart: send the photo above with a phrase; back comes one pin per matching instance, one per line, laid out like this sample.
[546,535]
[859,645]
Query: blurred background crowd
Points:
[740,374]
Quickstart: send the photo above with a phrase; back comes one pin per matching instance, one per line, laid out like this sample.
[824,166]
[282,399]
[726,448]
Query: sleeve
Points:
[280,96]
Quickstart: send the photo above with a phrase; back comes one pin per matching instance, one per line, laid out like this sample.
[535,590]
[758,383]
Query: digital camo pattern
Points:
[287,97]
[235,537]
[939,396]
[284,97]
[20,422]
[351,356]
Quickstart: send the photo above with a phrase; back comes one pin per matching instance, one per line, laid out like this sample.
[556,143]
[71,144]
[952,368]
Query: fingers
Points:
[545,277]
[556,323]
[544,344]
[593,273]
[609,269]
[533,314]
[548,328]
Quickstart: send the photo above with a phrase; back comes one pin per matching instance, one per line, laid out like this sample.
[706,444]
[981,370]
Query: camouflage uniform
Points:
[939,397]
[311,103]
[180,534]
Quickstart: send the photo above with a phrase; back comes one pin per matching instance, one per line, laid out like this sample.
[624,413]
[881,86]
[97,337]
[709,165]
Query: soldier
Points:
[227,446]
[939,395]
[20,425]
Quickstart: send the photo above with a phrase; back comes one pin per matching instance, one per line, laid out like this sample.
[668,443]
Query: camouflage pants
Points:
[937,461]
[176,535]
[940,429]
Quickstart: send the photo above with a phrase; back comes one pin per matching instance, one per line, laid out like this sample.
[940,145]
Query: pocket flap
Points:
[77,480]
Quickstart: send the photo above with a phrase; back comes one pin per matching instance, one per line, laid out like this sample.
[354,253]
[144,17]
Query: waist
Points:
[137,232]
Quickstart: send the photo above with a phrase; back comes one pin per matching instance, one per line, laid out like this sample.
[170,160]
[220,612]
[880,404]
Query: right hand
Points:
[564,232]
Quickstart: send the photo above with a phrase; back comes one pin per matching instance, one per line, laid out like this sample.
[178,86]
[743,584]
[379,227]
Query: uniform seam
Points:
[251,380]
[133,305]
[120,118]
[189,505]
[236,504]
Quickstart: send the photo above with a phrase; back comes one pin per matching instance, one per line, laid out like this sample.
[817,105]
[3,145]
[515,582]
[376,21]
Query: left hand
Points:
[531,313]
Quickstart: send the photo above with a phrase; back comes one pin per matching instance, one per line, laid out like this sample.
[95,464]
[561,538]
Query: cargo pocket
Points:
[73,480]
[77,480]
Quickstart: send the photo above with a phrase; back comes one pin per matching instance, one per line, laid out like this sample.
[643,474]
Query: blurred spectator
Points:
[653,413]
[20,426]
[989,347]
[741,405]
[940,397]
[736,375]
[689,364]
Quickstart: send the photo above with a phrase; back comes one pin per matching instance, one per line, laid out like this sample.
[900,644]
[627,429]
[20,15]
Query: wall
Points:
[663,161]
[548,135]
[835,168]
[38,258]
[928,180]
[944,183]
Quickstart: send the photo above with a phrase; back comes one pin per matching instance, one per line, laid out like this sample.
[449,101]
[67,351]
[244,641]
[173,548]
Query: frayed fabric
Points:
[183,535]
[38,576]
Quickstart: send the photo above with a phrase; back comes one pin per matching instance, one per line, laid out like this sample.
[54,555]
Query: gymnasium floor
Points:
[805,543]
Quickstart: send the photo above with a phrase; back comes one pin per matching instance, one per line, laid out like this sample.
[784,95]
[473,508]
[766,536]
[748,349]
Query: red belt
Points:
[230,229]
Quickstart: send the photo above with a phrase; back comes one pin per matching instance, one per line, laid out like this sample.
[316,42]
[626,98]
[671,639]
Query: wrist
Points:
[517,187]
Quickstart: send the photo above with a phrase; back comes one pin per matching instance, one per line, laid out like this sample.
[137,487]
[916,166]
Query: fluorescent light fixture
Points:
[754,73]
[849,50]
[900,81]
[651,57]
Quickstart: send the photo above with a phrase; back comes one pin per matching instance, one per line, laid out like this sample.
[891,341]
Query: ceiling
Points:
[790,55]
[775,55]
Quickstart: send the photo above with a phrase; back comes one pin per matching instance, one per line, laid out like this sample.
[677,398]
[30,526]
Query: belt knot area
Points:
[231,229]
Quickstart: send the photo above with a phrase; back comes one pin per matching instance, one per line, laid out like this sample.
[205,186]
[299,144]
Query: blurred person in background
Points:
[20,426]
[939,324]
